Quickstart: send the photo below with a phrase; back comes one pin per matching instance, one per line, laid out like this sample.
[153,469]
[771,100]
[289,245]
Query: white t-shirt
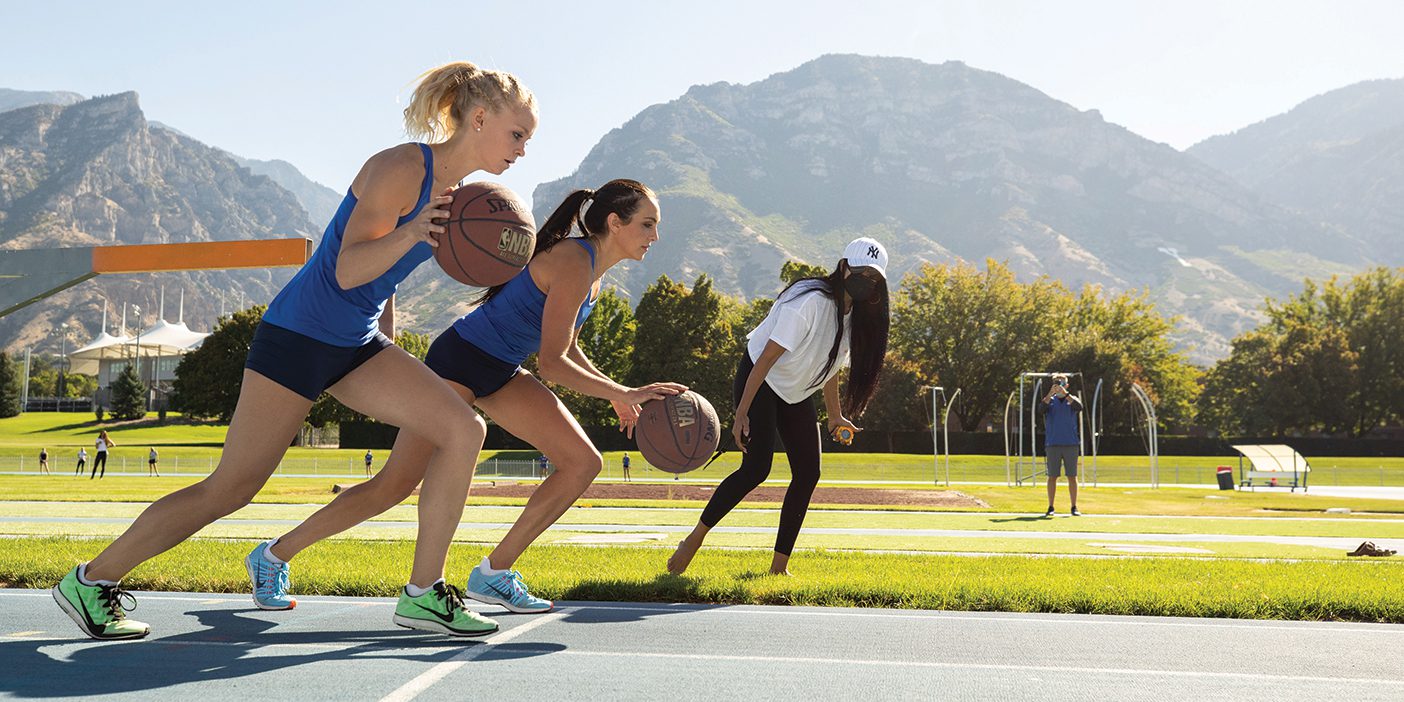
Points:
[802,321]
[101,445]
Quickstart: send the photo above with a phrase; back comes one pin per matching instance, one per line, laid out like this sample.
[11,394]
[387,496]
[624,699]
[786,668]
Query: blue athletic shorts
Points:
[457,359]
[305,365]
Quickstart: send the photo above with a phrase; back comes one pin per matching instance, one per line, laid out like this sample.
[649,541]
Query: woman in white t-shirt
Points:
[103,443]
[797,349]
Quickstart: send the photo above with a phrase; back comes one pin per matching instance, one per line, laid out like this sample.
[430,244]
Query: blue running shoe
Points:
[270,580]
[505,589]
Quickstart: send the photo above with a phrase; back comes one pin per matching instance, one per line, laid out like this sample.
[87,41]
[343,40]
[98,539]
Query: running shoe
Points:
[441,610]
[270,580]
[505,589]
[99,610]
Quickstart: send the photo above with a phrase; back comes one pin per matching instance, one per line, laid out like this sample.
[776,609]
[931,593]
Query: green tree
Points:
[10,386]
[1121,340]
[975,330]
[208,379]
[415,343]
[791,271]
[686,336]
[1326,360]
[79,385]
[901,402]
[128,395]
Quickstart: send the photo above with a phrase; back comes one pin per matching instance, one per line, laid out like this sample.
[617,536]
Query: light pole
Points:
[63,362]
[136,310]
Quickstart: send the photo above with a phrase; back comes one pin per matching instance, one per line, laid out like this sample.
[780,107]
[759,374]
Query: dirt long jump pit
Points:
[823,495]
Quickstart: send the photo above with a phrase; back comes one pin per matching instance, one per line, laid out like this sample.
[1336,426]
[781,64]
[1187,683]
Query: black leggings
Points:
[798,425]
[99,463]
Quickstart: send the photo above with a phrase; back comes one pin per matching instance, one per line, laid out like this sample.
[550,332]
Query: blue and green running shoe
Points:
[99,610]
[270,580]
[441,610]
[505,589]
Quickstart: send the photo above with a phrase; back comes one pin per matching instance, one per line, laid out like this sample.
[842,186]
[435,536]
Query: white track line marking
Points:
[425,680]
[1261,677]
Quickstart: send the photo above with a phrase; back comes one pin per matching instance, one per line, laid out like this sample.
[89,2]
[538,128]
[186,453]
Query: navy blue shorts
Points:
[305,365]
[455,358]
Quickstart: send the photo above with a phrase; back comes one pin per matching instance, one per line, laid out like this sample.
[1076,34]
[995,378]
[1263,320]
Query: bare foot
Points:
[782,571]
[682,558]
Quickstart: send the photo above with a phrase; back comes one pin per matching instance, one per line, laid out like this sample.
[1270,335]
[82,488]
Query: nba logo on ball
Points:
[678,433]
[515,245]
[681,412]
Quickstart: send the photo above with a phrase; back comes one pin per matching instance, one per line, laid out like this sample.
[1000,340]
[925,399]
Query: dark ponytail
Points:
[867,340]
[618,197]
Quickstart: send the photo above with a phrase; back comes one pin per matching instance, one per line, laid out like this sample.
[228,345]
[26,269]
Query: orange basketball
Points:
[678,433]
[488,237]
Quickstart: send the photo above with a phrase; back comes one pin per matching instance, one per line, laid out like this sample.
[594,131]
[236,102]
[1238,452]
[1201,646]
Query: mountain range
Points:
[943,163]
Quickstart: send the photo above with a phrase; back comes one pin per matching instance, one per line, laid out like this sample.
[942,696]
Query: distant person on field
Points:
[151,457]
[44,461]
[1061,443]
[100,460]
[369,458]
[82,460]
[626,467]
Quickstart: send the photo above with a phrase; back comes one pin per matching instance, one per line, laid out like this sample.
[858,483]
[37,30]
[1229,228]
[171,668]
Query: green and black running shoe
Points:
[99,610]
[441,610]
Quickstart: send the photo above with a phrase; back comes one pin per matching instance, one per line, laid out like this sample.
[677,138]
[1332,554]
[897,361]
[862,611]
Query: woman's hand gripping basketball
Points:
[427,225]
[628,408]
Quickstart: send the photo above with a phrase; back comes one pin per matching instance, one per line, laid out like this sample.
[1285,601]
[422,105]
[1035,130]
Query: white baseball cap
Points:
[865,251]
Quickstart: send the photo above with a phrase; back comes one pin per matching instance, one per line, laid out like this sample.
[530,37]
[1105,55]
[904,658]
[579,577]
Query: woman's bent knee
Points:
[464,432]
[583,468]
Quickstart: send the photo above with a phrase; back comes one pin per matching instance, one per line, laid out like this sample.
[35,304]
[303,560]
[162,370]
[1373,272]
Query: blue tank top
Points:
[508,327]
[313,304]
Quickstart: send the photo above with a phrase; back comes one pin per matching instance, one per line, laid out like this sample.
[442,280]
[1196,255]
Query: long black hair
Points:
[867,340]
[620,196]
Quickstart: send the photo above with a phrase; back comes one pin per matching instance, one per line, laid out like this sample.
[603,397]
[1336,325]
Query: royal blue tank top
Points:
[508,327]
[313,304]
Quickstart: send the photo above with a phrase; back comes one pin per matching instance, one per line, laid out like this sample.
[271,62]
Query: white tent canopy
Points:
[85,360]
[166,339]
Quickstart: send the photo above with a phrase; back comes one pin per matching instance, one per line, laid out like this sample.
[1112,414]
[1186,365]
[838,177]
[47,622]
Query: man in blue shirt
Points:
[1061,442]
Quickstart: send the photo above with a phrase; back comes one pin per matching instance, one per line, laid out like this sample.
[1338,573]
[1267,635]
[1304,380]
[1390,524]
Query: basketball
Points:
[488,237]
[678,433]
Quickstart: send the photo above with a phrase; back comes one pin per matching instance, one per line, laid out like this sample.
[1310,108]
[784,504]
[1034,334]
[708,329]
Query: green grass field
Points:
[1103,501]
[1370,592]
[195,449]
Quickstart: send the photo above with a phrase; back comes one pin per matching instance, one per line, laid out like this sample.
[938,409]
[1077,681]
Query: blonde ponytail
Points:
[446,96]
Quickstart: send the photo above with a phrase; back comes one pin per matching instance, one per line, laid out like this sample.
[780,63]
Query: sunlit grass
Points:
[1350,591]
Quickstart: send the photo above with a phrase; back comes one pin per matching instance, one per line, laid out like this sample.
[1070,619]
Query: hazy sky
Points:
[322,84]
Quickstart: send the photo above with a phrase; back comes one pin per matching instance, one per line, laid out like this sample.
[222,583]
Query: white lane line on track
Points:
[745,610]
[425,680]
[1258,677]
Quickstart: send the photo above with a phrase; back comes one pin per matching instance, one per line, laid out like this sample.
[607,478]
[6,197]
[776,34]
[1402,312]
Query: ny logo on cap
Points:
[873,252]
